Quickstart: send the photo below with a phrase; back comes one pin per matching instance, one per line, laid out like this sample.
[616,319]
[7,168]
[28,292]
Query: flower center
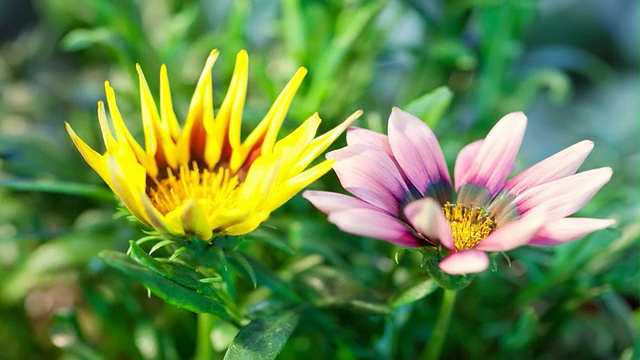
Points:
[216,189]
[469,225]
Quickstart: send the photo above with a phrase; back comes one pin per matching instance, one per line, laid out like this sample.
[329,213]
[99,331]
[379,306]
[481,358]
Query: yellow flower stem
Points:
[434,346]
[204,350]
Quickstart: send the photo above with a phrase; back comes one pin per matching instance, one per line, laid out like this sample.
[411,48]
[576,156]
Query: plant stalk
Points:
[434,346]
[204,350]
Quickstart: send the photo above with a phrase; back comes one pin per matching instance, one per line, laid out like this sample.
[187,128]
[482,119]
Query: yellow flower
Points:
[202,179]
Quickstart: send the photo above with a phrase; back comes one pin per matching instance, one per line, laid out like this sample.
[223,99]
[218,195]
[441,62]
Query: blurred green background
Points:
[572,66]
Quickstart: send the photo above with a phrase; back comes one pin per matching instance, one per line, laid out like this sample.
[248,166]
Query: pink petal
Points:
[427,218]
[513,235]
[465,262]
[370,174]
[562,164]
[356,135]
[465,158]
[565,196]
[328,202]
[568,229]
[374,224]
[495,159]
[417,150]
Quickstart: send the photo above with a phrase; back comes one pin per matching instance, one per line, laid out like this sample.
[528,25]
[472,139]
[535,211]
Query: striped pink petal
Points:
[514,234]
[417,150]
[374,224]
[328,202]
[465,262]
[562,164]
[495,159]
[356,135]
[565,196]
[370,174]
[568,229]
[465,159]
[427,218]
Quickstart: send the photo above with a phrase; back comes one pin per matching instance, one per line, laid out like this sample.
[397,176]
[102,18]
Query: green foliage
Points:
[298,287]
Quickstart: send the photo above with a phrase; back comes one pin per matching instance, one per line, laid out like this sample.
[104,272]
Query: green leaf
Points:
[263,338]
[268,279]
[59,187]
[169,291]
[174,271]
[414,292]
[244,266]
[431,106]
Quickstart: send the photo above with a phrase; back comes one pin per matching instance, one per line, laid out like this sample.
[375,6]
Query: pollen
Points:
[469,225]
[218,189]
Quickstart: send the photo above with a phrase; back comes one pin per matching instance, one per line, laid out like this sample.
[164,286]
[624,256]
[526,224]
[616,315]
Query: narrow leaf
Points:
[431,106]
[243,265]
[59,187]
[263,338]
[414,292]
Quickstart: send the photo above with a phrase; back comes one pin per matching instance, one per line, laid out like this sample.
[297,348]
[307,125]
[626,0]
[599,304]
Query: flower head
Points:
[201,179]
[404,195]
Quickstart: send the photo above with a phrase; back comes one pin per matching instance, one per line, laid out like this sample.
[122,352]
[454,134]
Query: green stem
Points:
[204,350]
[434,346]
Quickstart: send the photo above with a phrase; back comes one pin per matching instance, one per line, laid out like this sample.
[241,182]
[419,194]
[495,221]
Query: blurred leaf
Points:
[169,291]
[431,106]
[46,260]
[80,39]
[59,187]
[523,333]
[414,292]
[263,338]
[268,279]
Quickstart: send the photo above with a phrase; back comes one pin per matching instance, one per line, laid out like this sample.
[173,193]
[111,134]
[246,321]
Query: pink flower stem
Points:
[434,347]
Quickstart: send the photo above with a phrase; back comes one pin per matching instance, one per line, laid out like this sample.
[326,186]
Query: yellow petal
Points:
[291,147]
[194,219]
[94,159]
[126,190]
[191,143]
[169,120]
[279,109]
[150,116]
[321,143]
[291,187]
[260,181]
[248,225]
[229,118]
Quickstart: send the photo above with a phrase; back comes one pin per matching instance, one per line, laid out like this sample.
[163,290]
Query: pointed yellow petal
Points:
[191,143]
[123,135]
[150,117]
[291,147]
[321,143]
[94,159]
[229,117]
[260,181]
[248,225]
[291,187]
[279,109]
[169,120]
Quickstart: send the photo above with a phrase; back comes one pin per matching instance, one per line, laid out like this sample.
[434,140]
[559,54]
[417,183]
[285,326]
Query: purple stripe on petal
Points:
[374,224]
[514,234]
[562,164]
[568,229]
[565,196]
[465,262]
[370,174]
[465,159]
[328,202]
[417,150]
[495,159]
[356,135]
[428,219]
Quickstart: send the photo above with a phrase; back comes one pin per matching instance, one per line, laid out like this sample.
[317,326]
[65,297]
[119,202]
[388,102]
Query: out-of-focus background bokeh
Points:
[570,65]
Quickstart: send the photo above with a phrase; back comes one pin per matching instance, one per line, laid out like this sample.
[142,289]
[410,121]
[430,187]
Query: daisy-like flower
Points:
[403,192]
[201,179]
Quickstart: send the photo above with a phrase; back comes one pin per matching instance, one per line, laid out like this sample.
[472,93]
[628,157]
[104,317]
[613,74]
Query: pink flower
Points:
[404,195]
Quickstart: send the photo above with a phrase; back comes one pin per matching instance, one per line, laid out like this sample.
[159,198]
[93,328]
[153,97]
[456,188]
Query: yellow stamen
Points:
[217,188]
[469,225]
